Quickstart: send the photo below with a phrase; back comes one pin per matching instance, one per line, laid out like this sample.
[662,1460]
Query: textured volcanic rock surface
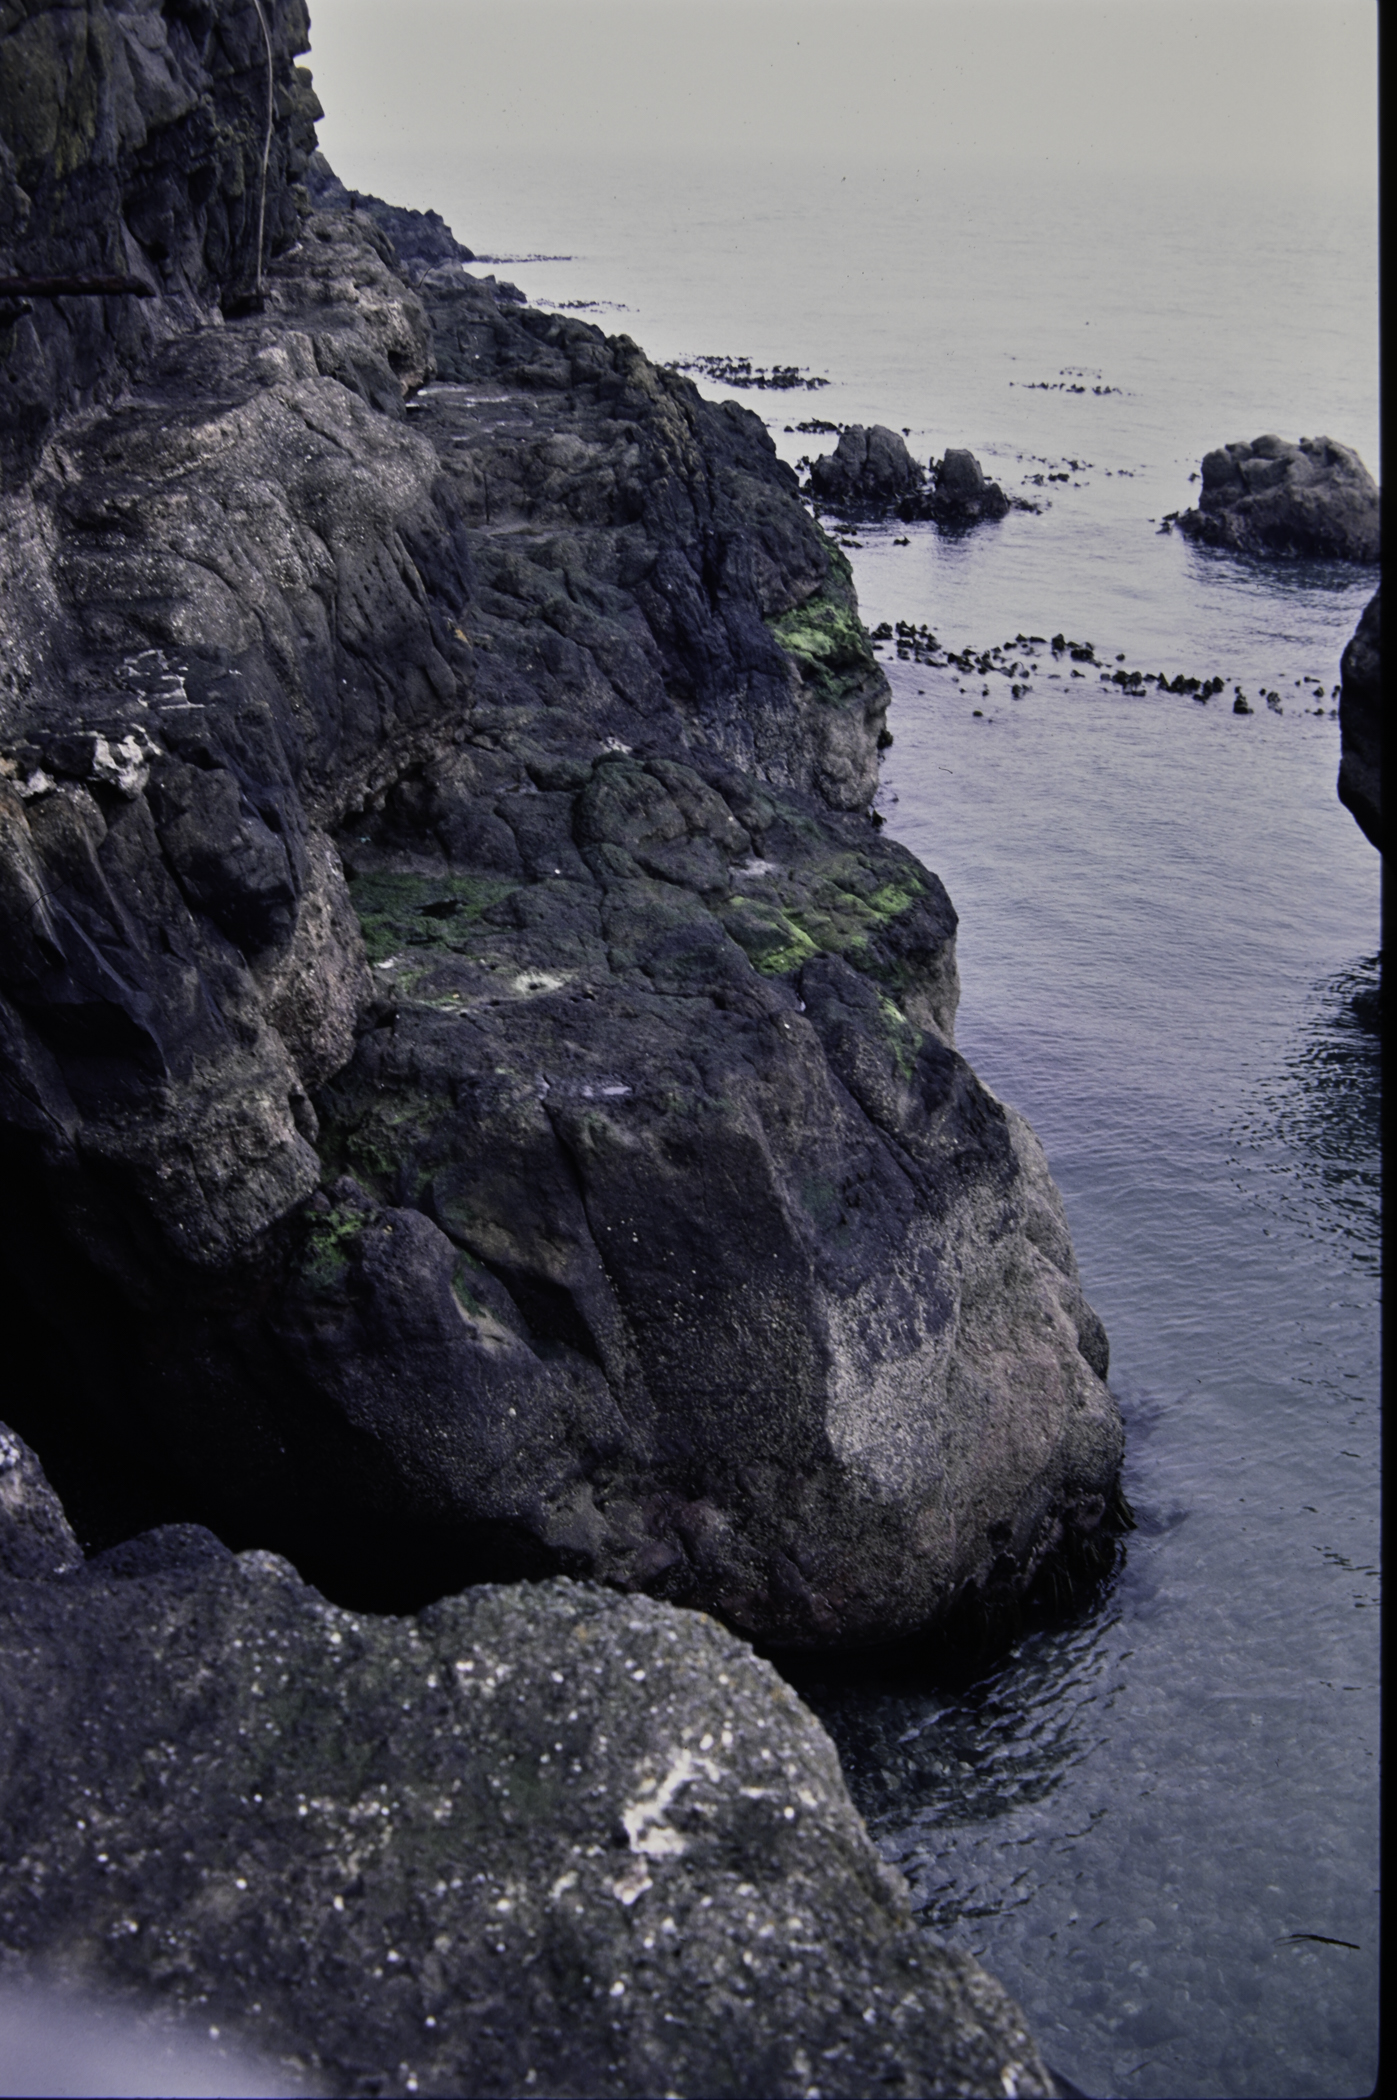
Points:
[477,1091]
[1275,499]
[422,240]
[538,1838]
[1360,723]
[957,494]
[131,143]
[867,473]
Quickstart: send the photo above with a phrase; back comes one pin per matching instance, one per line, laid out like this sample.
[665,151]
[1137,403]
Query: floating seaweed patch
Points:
[740,371]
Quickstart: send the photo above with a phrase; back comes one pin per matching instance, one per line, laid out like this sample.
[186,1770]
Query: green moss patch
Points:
[398,912]
[325,1256]
[774,942]
[830,645]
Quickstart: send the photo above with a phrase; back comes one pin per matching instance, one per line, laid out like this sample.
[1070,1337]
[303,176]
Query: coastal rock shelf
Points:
[480,1096]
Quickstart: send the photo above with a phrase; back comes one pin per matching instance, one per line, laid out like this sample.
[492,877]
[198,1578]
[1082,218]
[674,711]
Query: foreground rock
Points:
[1275,499]
[542,1839]
[1360,724]
[459,1020]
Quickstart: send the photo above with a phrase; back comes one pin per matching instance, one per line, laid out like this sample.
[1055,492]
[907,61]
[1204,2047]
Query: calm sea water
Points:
[1158,1826]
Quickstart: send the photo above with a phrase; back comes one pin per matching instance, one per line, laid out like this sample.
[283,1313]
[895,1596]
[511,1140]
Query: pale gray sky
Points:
[1283,89]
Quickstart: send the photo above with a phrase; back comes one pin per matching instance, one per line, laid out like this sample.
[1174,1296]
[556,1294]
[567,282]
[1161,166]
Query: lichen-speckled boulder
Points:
[1360,724]
[543,1839]
[1276,500]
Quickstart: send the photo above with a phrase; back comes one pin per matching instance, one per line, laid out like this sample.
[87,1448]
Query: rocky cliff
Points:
[477,1090]
[1360,723]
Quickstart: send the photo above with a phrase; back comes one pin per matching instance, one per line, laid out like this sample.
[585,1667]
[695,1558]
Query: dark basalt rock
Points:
[477,1094]
[1275,500]
[543,1838]
[1360,724]
[958,494]
[135,137]
[422,240]
[868,473]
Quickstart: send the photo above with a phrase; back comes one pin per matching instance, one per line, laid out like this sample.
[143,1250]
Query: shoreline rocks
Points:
[871,474]
[421,240]
[1276,500]
[458,1017]
[1361,724]
[540,1838]
[868,473]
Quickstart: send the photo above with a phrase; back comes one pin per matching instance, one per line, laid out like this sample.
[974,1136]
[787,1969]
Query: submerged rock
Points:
[478,1093]
[542,1838]
[867,474]
[1275,499]
[1360,724]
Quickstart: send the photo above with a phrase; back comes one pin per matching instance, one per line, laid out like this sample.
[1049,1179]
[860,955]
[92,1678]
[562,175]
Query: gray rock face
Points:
[958,495]
[868,472]
[131,143]
[1360,724]
[1274,499]
[457,1017]
[36,1538]
[536,1839]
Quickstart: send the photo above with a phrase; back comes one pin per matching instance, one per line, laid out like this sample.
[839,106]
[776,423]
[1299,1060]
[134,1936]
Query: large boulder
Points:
[1275,499]
[459,1021]
[1360,724]
[958,494]
[542,1839]
[868,473]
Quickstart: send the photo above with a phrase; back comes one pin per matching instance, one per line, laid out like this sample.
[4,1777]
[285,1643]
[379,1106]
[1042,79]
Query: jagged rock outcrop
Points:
[131,142]
[871,474]
[1360,724]
[541,1838]
[957,495]
[477,1092]
[422,240]
[1274,499]
[867,474]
